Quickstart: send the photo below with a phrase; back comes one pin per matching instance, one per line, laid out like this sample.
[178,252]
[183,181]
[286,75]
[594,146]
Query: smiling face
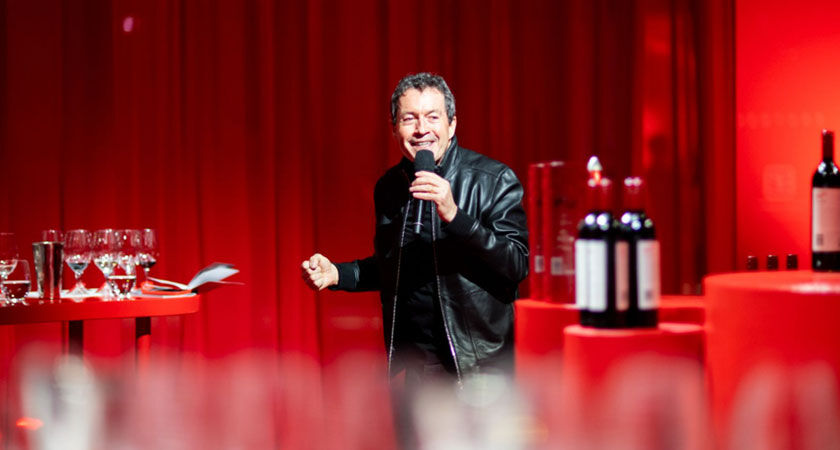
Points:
[421,123]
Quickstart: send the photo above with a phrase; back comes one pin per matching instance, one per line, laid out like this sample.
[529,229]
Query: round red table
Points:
[141,308]
[538,327]
[538,337]
[772,337]
[592,352]
[539,324]
[682,309]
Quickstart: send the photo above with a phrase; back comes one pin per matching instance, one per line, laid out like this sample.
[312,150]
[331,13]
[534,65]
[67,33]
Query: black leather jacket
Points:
[480,257]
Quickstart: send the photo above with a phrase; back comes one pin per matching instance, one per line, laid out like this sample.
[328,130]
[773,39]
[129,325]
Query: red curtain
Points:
[253,132]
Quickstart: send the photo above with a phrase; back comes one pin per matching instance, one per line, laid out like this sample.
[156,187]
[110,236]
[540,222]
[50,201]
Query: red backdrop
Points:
[253,133]
[787,93]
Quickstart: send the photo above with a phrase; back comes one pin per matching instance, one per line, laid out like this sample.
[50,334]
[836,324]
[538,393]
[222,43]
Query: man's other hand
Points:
[318,272]
[431,186]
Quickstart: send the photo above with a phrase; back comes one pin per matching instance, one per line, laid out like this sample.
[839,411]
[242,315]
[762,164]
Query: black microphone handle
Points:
[423,160]
[418,218]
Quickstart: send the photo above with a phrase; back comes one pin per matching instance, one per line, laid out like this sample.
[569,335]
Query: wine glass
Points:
[16,283]
[52,236]
[122,279]
[128,245]
[8,257]
[124,276]
[78,252]
[148,252]
[105,255]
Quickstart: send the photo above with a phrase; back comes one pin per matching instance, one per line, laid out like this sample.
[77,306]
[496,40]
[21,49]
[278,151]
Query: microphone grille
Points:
[424,160]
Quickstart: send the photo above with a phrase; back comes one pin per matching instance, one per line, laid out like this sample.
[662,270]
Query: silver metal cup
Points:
[49,261]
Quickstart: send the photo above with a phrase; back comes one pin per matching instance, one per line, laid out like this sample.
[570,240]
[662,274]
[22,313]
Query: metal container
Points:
[49,262]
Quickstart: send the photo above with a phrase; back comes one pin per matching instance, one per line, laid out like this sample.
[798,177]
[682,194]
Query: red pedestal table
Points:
[539,324]
[631,388]
[539,330]
[140,308]
[592,352]
[773,355]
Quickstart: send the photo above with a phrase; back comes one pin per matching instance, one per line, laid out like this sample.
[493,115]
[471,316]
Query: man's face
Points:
[422,123]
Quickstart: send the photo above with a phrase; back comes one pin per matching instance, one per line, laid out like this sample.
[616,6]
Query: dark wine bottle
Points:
[752,262]
[772,262]
[601,273]
[792,262]
[825,210]
[643,256]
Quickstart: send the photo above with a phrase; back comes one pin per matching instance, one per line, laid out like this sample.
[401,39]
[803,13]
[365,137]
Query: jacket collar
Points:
[450,159]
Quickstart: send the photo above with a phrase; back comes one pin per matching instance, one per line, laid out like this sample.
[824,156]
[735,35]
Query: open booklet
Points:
[206,279]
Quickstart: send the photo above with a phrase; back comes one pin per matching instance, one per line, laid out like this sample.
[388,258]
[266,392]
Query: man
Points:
[446,292]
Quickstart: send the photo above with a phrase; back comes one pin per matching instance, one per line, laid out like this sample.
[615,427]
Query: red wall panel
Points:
[787,65]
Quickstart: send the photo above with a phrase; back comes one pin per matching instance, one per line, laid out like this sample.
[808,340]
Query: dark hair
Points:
[421,81]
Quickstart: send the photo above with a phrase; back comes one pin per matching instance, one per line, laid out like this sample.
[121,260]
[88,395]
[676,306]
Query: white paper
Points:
[215,272]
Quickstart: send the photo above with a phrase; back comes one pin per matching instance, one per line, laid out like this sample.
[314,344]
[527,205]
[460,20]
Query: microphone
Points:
[423,160]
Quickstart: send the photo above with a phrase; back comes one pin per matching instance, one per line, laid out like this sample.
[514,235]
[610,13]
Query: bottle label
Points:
[539,264]
[557,266]
[622,276]
[647,266]
[825,220]
[591,275]
[596,277]
[581,274]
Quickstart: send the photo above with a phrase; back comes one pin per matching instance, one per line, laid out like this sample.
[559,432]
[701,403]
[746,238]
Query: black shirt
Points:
[420,337]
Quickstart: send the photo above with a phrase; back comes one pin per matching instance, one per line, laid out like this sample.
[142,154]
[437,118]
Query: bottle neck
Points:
[828,154]
[828,146]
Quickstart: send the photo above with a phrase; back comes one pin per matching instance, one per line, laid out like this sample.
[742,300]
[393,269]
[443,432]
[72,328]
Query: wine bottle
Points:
[752,262]
[772,262]
[643,257]
[792,262]
[601,275]
[825,210]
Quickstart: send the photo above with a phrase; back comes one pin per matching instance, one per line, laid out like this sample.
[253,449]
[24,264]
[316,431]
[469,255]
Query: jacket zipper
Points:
[446,331]
[433,222]
[397,288]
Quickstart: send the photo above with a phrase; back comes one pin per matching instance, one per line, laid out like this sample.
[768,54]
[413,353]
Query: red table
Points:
[593,352]
[140,308]
[540,324]
[773,351]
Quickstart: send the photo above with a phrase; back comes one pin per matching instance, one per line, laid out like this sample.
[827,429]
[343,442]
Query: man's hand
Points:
[318,272]
[430,186]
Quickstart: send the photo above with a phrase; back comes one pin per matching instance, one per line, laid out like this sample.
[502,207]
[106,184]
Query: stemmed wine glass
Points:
[8,258]
[16,283]
[78,252]
[148,252]
[128,244]
[105,255]
[123,277]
